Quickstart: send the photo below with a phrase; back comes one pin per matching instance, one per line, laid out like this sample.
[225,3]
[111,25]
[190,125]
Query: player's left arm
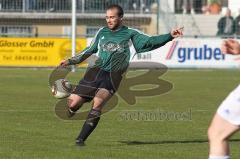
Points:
[143,42]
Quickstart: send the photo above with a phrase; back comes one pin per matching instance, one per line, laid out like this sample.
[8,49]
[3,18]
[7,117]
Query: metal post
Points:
[24,6]
[158,15]
[83,6]
[141,6]
[74,23]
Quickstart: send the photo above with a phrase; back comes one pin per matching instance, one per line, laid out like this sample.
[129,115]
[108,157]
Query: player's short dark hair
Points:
[118,7]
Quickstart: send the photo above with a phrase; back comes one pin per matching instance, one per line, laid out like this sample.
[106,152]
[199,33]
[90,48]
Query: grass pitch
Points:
[29,128]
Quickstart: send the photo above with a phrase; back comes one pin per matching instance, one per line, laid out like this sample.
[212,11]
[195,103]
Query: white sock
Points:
[219,157]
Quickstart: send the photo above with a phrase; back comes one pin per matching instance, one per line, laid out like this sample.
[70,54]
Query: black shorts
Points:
[95,79]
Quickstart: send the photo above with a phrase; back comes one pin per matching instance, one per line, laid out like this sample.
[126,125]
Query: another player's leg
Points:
[224,124]
[102,96]
[74,103]
[219,133]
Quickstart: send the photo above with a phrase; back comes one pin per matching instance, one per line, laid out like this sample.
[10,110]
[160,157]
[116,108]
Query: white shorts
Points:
[230,107]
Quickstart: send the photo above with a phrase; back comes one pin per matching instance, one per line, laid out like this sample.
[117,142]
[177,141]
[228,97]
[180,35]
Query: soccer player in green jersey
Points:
[100,82]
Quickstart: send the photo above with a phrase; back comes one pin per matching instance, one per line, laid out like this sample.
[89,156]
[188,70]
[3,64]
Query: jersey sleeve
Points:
[144,43]
[93,48]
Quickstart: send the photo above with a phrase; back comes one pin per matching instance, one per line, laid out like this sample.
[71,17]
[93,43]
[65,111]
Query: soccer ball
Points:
[61,88]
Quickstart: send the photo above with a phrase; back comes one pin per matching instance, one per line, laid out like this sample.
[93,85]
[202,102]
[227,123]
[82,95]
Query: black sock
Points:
[90,124]
[73,109]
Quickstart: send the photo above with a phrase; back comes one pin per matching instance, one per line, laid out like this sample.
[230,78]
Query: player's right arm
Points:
[230,46]
[93,48]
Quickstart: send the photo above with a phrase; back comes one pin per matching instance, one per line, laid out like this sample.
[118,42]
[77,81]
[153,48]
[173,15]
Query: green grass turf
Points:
[29,128]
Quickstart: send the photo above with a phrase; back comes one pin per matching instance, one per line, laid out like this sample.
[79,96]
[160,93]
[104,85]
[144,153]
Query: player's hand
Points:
[230,46]
[177,32]
[63,63]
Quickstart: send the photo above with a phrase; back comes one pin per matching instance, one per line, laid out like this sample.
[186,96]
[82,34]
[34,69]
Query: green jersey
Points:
[113,47]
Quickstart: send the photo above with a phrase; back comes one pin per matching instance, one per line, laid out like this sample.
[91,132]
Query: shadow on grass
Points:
[170,142]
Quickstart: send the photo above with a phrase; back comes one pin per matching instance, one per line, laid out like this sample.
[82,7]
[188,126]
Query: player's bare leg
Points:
[219,132]
[93,118]
[101,99]
[74,103]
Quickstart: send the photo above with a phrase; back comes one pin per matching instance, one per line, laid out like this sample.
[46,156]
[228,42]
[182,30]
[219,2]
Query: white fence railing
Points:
[83,6]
